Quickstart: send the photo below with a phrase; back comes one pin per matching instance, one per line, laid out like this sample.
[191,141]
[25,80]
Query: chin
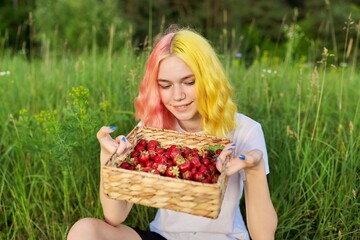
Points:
[185,118]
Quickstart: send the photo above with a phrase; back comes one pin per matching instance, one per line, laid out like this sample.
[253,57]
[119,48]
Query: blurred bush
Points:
[79,24]
[330,24]
[237,26]
[14,23]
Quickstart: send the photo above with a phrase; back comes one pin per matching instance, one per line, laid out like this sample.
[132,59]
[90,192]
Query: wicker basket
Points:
[157,191]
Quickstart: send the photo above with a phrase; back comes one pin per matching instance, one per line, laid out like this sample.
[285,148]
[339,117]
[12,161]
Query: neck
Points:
[189,129]
[193,125]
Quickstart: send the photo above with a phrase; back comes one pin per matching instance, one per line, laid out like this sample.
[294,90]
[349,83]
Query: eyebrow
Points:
[181,79]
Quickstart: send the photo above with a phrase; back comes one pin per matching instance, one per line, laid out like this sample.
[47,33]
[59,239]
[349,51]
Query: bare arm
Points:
[260,212]
[115,212]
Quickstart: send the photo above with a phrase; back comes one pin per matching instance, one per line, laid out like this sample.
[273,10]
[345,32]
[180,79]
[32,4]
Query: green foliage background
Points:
[66,25]
[68,67]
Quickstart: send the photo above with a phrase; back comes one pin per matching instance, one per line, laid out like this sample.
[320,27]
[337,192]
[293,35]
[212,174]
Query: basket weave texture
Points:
[152,190]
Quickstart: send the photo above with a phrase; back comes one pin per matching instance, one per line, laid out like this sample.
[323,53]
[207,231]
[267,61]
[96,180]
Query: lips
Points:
[182,108]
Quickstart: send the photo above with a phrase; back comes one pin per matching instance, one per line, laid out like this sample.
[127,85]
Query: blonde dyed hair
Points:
[213,90]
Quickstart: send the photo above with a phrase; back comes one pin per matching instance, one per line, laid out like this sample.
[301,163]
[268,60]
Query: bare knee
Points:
[86,228]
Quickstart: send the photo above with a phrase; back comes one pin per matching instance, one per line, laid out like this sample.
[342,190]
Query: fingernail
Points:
[112,128]
[123,139]
[217,159]
[242,157]
[234,144]
[229,149]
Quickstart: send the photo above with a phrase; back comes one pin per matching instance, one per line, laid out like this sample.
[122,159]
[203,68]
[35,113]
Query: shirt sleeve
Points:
[248,138]
[256,140]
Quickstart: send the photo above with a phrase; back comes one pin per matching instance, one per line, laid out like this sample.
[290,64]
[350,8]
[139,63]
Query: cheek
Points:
[192,93]
[164,97]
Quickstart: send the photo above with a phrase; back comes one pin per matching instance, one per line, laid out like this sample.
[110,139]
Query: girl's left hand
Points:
[246,160]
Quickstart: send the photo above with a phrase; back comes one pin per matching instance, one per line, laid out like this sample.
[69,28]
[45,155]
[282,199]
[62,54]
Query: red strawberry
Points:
[170,162]
[161,159]
[215,178]
[157,158]
[198,176]
[195,152]
[144,156]
[167,153]
[186,151]
[134,161]
[154,171]
[187,175]
[185,166]
[205,153]
[152,144]
[175,152]
[135,153]
[147,169]
[159,151]
[150,170]
[172,147]
[142,142]
[159,167]
[152,153]
[204,170]
[178,159]
[205,161]
[195,162]
[218,151]
[207,179]
[172,171]
[212,169]
[213,161]
[125,165]
[149,163]
[140,148]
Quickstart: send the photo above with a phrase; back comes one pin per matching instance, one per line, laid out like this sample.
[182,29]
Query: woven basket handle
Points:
[223,179]
[223,167]
[119,158]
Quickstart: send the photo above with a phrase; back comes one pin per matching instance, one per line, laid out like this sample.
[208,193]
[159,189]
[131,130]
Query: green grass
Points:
[52,108]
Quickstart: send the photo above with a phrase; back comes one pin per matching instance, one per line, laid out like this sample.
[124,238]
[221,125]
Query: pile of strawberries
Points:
[174,161]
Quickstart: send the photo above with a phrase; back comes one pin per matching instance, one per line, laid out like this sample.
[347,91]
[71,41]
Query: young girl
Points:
[185,89]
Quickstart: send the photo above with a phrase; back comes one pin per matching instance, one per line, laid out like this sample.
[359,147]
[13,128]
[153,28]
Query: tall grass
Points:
[52,108]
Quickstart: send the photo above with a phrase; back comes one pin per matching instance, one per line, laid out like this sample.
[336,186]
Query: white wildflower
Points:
[5,73]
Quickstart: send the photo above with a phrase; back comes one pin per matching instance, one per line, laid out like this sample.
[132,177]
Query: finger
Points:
[227,151]
[109,147]
[124,145]
[104,131]
[107,143]
[255,156]
[234,165]
[219,164]
[120,138]
[250,159]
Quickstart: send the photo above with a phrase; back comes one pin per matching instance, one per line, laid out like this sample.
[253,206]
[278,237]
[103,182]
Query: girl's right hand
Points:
[110,146]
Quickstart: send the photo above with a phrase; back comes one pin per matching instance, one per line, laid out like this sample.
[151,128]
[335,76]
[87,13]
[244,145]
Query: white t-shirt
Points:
[172,225]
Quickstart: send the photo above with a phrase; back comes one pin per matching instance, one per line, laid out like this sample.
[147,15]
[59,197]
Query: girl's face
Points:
[177,92]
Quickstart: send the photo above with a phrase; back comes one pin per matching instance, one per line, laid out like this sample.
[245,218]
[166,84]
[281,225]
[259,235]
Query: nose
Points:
[179,93]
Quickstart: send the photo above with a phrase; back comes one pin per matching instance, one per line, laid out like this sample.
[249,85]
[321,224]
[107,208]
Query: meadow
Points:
[53,105]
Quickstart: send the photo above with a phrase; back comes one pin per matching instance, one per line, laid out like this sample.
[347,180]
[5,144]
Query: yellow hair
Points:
[214,93]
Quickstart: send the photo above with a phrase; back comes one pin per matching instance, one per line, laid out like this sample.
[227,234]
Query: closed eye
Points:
[165,86]
[187,80]
[190,83]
